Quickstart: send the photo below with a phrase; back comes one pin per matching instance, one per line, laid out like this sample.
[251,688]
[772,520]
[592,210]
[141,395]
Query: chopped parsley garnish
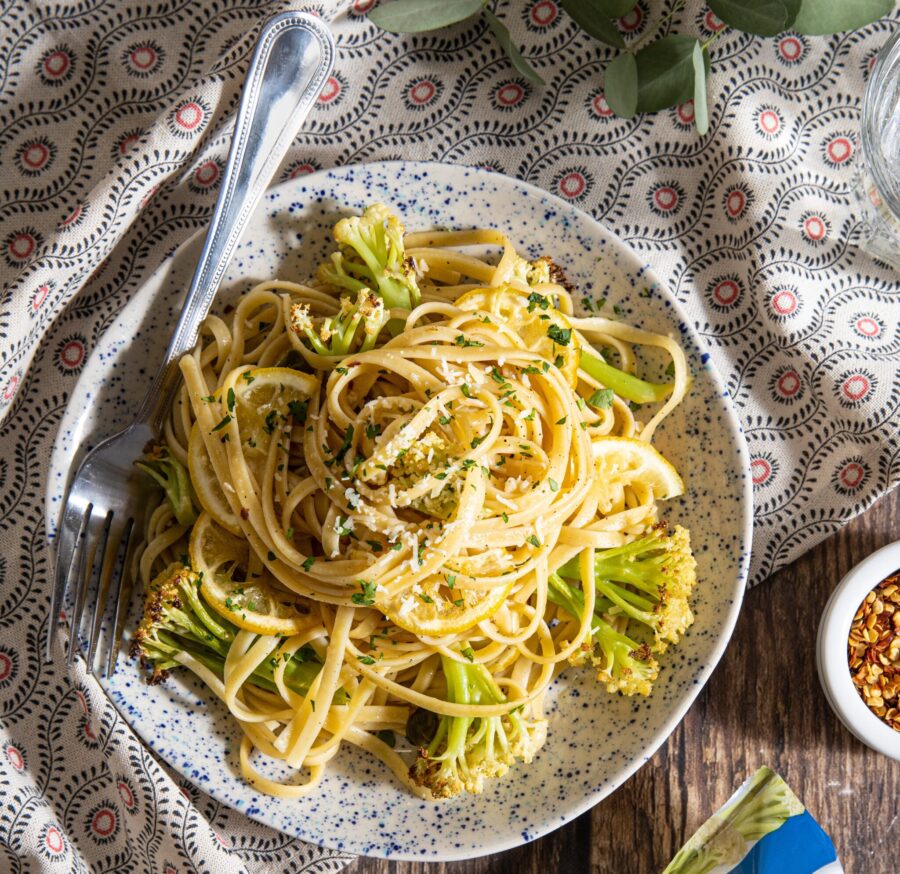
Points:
[469,653]
[462,340]
[505,518]
[365,598]
[348,439]
[554,485]
[451,580]
[269,427]
[366,660]
[231,400]
[426,598]
[298,410]
[534,541]
[246,377]
[464,388]
[372,430]
[561,421]
[222,424]
[445,420]
[537,300]
[602,398]
[562,336]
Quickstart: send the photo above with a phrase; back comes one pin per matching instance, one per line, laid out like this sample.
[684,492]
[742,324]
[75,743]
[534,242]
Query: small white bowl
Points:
[831,651]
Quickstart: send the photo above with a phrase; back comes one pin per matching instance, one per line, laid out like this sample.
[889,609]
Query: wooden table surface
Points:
[762,706]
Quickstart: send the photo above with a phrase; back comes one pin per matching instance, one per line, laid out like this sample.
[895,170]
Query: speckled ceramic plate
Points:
[595,741]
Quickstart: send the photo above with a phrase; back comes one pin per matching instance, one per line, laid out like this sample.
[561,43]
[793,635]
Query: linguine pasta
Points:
[391,537]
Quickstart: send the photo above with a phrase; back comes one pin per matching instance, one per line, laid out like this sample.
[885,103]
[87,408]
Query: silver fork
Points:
[102,511]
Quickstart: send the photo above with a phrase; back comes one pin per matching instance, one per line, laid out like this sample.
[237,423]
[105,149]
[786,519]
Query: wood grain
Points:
[762,706]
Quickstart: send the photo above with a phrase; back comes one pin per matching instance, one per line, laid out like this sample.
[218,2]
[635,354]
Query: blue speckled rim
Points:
[550,804]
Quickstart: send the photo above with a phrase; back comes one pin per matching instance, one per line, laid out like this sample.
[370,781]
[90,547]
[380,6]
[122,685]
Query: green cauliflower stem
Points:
[623,665]
[176,620]
[648,580]
[339,335]
[466,750]
[170,474]
[372,255]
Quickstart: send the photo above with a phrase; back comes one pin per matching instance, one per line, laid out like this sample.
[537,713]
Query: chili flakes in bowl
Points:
[874,650]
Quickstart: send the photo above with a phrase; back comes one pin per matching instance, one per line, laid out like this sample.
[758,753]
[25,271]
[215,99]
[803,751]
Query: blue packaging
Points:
[762,829]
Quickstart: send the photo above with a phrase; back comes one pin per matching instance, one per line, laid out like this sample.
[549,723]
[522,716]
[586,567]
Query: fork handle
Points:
[292,61]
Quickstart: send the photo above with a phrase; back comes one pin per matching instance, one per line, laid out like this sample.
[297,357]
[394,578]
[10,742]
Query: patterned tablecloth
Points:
[114,125]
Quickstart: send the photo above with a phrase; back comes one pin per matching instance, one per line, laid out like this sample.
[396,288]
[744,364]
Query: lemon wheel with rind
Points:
[252,602]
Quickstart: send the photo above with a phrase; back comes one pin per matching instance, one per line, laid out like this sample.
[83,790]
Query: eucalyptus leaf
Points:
[620,85]
[701,113]
[666,72]
[762,17]
[416,16]
[502,34]
[793,7]
[817,17]
[592,19]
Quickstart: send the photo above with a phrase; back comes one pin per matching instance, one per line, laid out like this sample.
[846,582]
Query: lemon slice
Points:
[542,328]
[207,486]
[626,460]
[249,601]
[433,609]
[263,400]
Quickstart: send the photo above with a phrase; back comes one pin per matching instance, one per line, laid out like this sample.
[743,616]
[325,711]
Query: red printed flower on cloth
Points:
[189,118]
[736,200]
[767,121]
[207,176]
[70,354]
[854,387]
[52,842]
[838,149]
[597,106]
[814,227]
[39,295]
[143,59]
[683,115]
[15,757]
[573,183]
[102,823]
[35,156]
[632,22]
[541,15]
[332,92]
[422,93]
[19,246]
[851,475]
[56,66]
[785,303]
[126,142]
[301,167]
[509,94]
[763,468]
[665,198]
[792,50]
[868,325]
[73,218]
[786,385]
[724,292]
